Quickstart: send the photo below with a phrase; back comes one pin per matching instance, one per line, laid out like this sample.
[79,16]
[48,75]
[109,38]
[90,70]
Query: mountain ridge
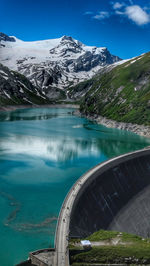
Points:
[54,63]
[16,89]
[122,94]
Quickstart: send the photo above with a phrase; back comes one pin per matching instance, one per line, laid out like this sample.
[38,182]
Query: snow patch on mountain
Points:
[55,63]
[17,89]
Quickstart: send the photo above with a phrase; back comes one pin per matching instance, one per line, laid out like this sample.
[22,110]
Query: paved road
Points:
[62,231]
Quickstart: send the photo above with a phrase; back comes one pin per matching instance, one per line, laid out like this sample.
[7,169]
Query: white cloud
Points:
[118,12]
[102,15]
[140,16]
[118,5]
[88,13]
[137,15]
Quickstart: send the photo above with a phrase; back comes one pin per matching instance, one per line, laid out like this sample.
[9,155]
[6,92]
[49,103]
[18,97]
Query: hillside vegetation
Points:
[121,94]
[111,247]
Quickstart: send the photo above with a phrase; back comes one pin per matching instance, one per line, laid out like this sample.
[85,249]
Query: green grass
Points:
[125,105]
[114,254]
[102,235]
[133,250]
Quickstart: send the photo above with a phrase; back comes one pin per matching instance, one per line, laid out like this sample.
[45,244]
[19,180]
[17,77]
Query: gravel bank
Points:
[138,129]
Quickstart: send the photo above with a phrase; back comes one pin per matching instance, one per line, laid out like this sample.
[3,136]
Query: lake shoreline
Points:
[43,153]
[141,130]
[15,107]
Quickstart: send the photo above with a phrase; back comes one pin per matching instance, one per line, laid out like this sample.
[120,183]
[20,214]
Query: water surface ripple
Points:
[42,153]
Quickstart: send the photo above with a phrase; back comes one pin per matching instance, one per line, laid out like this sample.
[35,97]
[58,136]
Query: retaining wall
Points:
[115,197]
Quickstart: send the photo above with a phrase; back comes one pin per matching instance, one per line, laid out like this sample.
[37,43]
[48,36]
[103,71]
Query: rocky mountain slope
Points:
[121,94]
[16,89]
[56,63]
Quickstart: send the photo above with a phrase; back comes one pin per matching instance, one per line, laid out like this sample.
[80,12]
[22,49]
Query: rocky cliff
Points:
[56,63]
[16,89]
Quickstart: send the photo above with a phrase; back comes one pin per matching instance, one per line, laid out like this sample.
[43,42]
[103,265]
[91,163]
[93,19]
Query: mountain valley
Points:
[65,70]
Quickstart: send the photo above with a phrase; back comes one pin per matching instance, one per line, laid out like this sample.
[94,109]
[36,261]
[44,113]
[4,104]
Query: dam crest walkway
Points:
[60,254]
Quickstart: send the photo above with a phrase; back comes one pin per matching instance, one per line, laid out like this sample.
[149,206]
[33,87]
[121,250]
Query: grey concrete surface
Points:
[99,196]
[114,195]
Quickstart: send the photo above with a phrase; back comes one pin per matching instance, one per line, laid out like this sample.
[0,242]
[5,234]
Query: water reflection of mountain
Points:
[55,149]
[8,117]
[67,148]
[39,162]
[111,148]
[62,140]
[112,142]
[32,114]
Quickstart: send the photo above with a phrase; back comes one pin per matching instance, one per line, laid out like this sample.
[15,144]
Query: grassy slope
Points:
[134,251]
[114,96]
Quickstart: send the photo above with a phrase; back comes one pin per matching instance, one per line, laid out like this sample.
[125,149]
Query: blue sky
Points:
[123,26]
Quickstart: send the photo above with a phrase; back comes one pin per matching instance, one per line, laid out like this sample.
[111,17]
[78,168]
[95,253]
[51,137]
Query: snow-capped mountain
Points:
[17,89]
[56,63]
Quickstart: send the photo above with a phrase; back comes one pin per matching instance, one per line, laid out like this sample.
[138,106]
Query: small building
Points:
[86,244]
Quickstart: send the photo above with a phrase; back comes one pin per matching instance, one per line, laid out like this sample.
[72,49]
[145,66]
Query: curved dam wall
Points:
[115,197]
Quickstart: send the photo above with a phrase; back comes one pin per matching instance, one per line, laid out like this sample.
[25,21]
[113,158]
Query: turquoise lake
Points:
[43,151]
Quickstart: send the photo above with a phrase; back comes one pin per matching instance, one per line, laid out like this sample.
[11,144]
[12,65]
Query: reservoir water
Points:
[43,151]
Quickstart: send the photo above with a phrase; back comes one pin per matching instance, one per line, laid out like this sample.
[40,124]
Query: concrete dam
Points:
[115,197]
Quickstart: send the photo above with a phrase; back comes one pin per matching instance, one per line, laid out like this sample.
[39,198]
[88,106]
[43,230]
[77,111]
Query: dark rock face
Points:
[117,199]
[17,89]
[67,45]
[89,60]
[67,63]
[44,78]
[6,38]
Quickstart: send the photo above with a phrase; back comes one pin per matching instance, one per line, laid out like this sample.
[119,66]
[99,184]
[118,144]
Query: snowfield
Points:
[55,63]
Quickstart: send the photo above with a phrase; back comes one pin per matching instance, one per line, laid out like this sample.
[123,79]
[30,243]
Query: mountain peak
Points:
[67,38]
[54,62]
[6,38]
